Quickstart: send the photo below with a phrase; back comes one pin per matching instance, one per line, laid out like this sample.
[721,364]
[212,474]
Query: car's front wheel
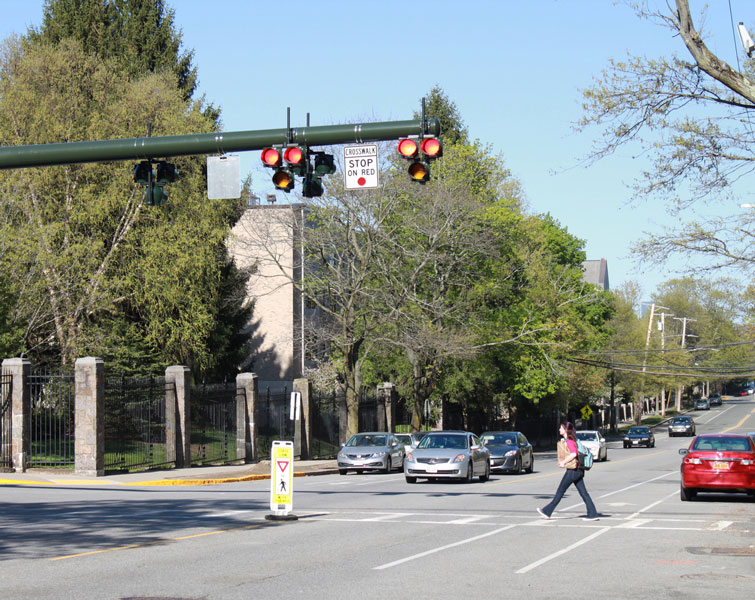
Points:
[470,472]
[342,471]
[531,466]
[485,476]
[411,479]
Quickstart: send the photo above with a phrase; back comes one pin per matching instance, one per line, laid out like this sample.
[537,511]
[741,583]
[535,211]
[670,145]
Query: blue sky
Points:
[513,68]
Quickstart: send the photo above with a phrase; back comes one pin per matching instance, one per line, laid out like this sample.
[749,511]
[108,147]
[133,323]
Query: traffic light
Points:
[312,187]
[296,159]
[283,179]
[154,192]
[324,163]
[420,152]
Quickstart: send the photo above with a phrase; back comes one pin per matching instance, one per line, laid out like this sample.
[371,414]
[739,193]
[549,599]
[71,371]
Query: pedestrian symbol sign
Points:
[281,477]
[586,412]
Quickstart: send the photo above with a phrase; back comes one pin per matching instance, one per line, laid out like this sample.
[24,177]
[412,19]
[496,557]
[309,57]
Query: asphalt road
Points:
[375,536]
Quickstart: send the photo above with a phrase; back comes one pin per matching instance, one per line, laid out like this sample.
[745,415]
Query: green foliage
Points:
[139,35]
[106,275]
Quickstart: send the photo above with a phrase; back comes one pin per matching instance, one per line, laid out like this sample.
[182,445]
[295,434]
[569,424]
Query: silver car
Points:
[410,440]
[448,454]
[595,442]
[371,451]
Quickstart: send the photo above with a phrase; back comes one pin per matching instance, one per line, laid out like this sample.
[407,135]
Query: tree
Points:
[81,234]
[139,34]
[692,119]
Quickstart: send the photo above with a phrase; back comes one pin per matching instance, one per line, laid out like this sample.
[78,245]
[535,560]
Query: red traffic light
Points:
[407,148]
[431,148]
[293,155]
[271,157]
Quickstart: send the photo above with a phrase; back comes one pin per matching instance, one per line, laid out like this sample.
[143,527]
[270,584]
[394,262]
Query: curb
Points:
[166,482]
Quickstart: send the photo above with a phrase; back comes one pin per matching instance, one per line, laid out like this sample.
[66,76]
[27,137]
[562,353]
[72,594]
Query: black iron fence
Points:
[6,421]
[325,425]
[273,419]
[51,419]
[213,423]
[135,424]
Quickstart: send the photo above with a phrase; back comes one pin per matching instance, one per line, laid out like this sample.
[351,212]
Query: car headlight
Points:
[512,453]
[379,454]
[410,456]
[459,458]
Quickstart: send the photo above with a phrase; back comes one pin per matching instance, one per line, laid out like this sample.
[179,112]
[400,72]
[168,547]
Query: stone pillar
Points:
[89,378]
[386,394]
[180,378]
[19,369]
[246,423]
[304,387]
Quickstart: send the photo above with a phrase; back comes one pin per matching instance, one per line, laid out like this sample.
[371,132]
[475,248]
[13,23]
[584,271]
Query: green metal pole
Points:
[41,155]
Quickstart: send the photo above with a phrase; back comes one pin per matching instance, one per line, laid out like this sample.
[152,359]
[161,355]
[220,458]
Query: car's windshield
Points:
[681,420]
[364,439]
[638,430]
[404,439]
[490,439]
[443,441]
[587,436]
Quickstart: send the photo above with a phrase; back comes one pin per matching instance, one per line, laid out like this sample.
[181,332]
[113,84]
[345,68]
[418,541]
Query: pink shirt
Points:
[572,445]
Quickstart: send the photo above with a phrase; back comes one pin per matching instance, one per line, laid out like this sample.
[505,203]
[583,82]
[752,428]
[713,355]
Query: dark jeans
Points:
[577,477]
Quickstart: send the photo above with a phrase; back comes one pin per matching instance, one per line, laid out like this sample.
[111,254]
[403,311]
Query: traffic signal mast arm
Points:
[146,148]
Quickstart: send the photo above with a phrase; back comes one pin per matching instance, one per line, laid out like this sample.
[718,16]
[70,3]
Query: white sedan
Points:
[595,442]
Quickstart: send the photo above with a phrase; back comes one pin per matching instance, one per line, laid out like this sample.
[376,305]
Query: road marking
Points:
[388,516]
[573,506]
[742,422]
[716,415]
[441,548]
[649,506]
[550,557]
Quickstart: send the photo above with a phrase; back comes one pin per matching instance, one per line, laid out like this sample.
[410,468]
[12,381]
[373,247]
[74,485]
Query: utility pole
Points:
[663,348]
[684,345]
[641,402]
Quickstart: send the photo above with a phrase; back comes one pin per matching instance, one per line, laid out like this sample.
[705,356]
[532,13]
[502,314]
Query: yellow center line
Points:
[742,422]
[156,542]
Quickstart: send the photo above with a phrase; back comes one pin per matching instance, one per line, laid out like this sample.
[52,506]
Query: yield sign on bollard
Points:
[281,481]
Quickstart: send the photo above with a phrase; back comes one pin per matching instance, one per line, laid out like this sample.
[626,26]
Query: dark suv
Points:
[715,399]
[681,426]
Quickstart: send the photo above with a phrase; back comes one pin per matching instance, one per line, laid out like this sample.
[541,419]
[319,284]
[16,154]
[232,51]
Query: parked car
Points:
[448,454]
[681,425]
[702,404]
[718,462]
[510,451]
[410,440]
[639,435]
[375,450]
[715,399]
[595,442]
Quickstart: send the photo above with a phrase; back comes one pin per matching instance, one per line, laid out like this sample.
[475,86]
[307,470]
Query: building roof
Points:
[596,272]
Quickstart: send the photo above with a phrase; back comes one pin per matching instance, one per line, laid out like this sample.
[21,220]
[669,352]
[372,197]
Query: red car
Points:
[718,462]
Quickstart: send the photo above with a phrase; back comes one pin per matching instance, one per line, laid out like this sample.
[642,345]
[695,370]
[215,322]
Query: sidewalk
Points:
[210,475]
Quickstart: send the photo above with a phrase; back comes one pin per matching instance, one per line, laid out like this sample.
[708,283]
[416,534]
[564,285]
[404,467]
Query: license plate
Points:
[635,442]
[431,470]
[721,465]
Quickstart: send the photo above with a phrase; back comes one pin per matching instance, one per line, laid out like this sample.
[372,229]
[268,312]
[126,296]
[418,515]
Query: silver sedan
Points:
[371,451]
[448,454]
